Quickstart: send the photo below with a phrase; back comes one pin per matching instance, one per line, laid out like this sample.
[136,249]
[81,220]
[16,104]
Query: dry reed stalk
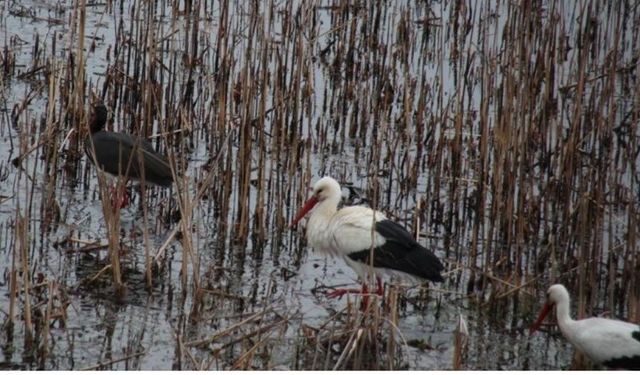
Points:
[244,362]
[111,213]
[13,293]
[230,329]
[44,346]
[148,262]
[506,129]
[191,203]
[103,365]
[23,244]
[79,75]
[354,338]
[392,311]
[50,207]
[461,336]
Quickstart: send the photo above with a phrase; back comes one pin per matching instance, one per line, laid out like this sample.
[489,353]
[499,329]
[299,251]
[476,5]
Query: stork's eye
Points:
[319,191]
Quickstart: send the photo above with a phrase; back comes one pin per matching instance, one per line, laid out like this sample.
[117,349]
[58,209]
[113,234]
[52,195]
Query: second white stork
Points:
[364,237]
[612,343]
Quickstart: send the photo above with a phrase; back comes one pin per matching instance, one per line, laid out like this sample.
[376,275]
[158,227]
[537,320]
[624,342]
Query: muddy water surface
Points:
[419,110]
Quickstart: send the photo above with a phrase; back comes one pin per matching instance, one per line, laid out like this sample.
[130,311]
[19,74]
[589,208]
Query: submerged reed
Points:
[502,134]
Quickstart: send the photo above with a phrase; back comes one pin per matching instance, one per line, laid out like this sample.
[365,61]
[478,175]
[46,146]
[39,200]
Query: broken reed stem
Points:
[392,301]
[13,290]
[461,336]
[111,213]
[244,362]
[183,199]
[348,348]
[50,206]
[113,361]
[23,244]
[189,251]
[110,203]
[81,12]
[44,346]
[230,329]
[148,262]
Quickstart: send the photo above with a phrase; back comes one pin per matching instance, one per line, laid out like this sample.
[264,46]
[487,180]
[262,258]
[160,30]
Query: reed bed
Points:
[503,134]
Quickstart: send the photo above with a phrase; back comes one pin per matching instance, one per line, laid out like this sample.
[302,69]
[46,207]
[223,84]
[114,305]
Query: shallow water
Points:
[248,284]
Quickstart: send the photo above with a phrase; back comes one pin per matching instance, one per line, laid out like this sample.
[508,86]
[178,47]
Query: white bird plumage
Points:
[610,342]
[353,231]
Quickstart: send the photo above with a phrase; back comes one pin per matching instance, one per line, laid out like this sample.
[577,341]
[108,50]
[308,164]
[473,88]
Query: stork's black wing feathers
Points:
[401,252]
[115,154]
[625,363]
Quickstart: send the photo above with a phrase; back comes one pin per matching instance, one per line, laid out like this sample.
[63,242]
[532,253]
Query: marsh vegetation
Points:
[503,134]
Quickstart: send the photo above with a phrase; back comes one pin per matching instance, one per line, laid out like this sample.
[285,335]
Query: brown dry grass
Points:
[504,135]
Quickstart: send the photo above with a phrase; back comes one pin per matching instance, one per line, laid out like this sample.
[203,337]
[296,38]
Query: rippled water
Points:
[280,277]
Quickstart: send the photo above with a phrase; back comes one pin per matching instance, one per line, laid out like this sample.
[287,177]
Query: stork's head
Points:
[326,189]
[555,294]
[98,118]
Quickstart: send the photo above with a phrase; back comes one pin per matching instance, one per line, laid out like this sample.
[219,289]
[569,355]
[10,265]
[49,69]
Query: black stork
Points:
[125,155]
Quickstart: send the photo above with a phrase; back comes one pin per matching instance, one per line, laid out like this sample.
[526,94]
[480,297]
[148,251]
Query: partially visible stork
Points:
[612,343]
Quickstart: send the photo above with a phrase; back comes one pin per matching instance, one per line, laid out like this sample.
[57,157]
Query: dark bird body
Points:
[126,155]
[400,252]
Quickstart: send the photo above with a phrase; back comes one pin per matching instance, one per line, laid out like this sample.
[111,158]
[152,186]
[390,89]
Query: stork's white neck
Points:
[324,210]
[563,311]
[563,314]
[318,233]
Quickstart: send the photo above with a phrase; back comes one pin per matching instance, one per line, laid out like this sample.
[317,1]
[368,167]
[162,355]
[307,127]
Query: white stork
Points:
[612,343]
[356,233]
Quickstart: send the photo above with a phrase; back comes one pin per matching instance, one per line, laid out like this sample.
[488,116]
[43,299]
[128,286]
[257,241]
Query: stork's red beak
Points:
[543,314]
[303,211]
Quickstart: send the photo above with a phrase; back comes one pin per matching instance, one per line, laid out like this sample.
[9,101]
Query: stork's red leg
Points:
[114,196]
[365,297]
[380,290]
[124,199]
[119,197]
[364,292]
[341,292]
